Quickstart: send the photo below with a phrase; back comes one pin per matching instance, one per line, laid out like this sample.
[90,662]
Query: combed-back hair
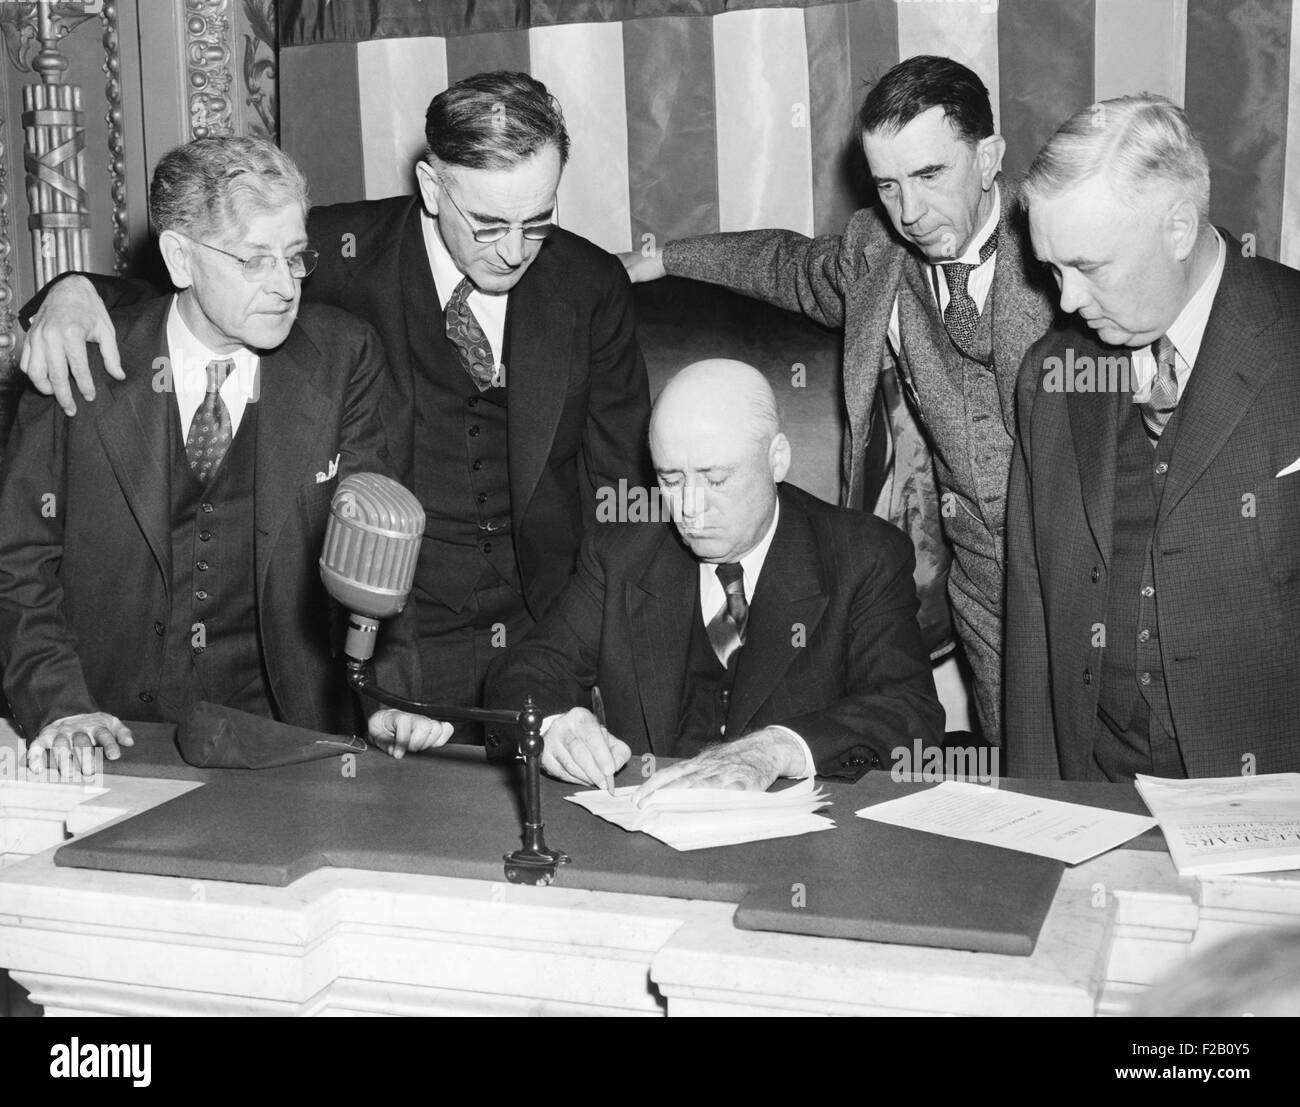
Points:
[924,82]
[494,121]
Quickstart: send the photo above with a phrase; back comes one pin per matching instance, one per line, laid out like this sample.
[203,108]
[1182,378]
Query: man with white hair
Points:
[767,634]
[1154,544]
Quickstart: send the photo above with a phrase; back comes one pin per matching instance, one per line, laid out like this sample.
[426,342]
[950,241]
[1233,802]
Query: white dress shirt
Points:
[189,373]
[713,598]
[488,308]
[979,283]
[1185,333]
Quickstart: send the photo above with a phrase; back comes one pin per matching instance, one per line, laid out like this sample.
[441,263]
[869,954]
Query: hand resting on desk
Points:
[751,764]
[79,735]
[397,733]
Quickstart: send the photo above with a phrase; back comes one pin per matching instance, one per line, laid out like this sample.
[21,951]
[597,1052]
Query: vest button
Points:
[487,547]
[481,497]
[1087,676]
[724,695]
[473,403]
[201,594]
[1162,468]
[473,431]
[1148,591]
[1096,574]
[145,697]
[201,566]
[205,536]
[198,650]
[1144,679]
[493,739]
[478,464]
[158,628]
[207,509]
[1144,635]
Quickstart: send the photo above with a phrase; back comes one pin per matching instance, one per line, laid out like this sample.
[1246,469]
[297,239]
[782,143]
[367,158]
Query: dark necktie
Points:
[961,316]
[468,337]
[1159,406]
[210,434]
[726,629]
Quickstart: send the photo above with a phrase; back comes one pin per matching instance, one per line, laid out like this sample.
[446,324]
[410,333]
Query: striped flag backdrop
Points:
[691,116]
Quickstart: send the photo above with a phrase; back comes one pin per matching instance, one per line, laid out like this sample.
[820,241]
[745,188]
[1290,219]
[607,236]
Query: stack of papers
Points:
[697,818]
[1228,824]
[1069,832]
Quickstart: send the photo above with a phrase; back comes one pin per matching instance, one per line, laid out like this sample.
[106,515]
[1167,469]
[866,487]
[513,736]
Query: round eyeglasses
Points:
[533,231]
[260,266]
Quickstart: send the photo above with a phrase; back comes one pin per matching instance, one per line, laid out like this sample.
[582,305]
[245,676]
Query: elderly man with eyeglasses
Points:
[160,549]
[516,390]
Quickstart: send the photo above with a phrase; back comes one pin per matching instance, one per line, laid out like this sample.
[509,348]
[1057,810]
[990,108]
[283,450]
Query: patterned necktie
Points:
[468,337]
[726,629]
[210,433]
[1159,406]
[961,316]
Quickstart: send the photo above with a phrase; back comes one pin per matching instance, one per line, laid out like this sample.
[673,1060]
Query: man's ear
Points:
[178,255]
[988,154]
[1183,225]
[778,457]
[426,177]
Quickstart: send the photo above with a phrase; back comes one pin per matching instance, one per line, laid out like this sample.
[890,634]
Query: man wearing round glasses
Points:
[515,387]
[160,549]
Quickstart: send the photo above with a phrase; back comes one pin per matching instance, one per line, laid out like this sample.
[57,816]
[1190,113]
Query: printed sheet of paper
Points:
[1069,832]
[1228,824]
[697,818]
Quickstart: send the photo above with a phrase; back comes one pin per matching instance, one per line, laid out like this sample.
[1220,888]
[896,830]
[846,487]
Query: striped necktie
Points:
[726,629]
[1159,406]
[961,316]
[210,429]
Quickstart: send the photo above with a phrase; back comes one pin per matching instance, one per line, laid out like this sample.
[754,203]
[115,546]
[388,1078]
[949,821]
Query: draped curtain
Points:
[692,116]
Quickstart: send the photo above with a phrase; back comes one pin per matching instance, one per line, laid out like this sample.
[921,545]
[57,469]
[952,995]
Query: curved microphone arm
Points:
[534,863]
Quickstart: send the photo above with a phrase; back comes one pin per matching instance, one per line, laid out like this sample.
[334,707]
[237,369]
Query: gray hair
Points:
[215,185]
[1136,141]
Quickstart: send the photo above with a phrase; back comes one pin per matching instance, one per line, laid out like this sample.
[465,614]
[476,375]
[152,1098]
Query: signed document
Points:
[1228,824]
[1069,832]
[697,818]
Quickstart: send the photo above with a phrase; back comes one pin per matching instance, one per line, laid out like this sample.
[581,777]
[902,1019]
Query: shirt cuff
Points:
[809,764]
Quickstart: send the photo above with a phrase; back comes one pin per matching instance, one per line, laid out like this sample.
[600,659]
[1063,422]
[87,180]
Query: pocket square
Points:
[330,473]
[1294,467]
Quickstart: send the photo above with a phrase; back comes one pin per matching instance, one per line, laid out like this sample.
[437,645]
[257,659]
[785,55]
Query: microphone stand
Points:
[534,863]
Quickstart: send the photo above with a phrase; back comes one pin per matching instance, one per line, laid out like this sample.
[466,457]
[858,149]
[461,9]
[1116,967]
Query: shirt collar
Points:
[1188,330]
[190,357]
[752,562]
[446,275]
[972,254]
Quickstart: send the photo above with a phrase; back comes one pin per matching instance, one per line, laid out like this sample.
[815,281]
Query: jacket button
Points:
[1096,574]
[1087,676]
[207,509]
[855,761]
[145,697]
[158,629]
[493,739]
[487,547]
[473,431]
[481,497]
[201,566]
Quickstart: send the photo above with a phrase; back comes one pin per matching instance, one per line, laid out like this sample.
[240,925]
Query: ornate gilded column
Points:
[116,135]
[54,153]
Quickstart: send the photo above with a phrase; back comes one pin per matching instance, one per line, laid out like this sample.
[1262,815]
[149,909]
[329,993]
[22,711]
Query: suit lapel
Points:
[788,603]
[131,419]
[1230,370]
[537,359]
[291,418]
[1094,429]
[661,602]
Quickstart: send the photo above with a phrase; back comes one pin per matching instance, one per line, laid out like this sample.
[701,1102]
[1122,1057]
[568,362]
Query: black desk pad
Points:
[449,813]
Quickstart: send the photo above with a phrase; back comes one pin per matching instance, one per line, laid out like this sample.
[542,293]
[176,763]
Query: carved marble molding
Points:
[208,57]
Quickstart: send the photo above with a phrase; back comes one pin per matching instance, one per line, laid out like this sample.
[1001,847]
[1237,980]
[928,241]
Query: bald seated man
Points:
[748,628]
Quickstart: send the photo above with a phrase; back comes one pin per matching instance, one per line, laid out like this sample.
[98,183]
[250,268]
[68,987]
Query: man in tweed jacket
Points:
[1153,596]
[928,134]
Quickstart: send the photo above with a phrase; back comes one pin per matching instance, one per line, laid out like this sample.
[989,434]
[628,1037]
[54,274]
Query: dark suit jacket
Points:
[850,281]
[579,395]
[832,650]
[82,586]
[1227,544]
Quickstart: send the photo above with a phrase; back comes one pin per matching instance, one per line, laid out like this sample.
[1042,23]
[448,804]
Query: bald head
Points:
[719,454]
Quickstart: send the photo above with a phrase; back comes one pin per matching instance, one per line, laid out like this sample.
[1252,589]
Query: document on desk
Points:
[1069,832]
[1228,824]
[698,818]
